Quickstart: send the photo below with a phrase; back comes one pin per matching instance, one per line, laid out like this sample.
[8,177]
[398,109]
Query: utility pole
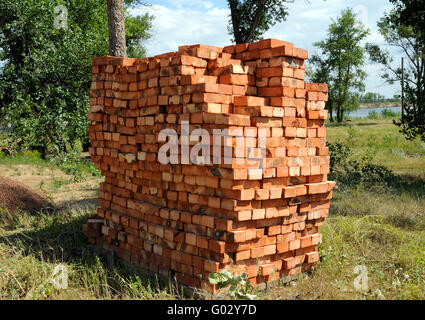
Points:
[402,88]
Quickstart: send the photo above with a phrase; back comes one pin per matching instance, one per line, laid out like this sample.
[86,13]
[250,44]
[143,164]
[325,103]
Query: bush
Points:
[338,153]
[351,170]
[389,114]
[373,115]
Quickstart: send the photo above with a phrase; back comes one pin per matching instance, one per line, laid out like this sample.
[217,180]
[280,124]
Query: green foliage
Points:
[338,153]
[340,61]
[250,19]
[240,286]
[137,29]
[351,170]
[46,76]
[411,13]
[22,157]
[388,114]
[373,115]
[71,163]
[372,97]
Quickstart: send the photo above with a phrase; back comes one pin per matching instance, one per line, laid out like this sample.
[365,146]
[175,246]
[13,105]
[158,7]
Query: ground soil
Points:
[41,181]
[16,196]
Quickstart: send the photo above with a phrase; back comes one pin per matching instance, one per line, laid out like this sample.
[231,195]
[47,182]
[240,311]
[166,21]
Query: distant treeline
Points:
[372,97]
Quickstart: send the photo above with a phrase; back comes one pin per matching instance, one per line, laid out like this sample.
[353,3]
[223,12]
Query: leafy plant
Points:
[403,28]
[373,115]
[389,114]
[240,286]
[250,19]
[351,170]
[73,165]
[338,153]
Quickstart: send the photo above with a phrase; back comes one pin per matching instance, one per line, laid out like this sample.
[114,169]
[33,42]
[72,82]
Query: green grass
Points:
[32,246]
[378,225]
[24,157]
[72,164]
[381,139]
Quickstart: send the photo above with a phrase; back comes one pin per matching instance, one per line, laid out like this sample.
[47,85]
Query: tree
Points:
[249,19]
[371,97]
[45,73]
[404,28]
[137,28]
[339,63]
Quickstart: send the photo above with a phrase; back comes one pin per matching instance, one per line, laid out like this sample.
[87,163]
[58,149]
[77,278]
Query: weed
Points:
[240,286]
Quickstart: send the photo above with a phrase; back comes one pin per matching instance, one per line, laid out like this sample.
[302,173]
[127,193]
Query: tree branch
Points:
[257,19]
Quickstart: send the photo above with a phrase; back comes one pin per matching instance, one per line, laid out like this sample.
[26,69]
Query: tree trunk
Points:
[117,46]
[235,20]
[339,113]
[86,145]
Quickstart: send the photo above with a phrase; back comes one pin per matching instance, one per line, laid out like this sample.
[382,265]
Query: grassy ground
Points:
[32,246]
[380,226]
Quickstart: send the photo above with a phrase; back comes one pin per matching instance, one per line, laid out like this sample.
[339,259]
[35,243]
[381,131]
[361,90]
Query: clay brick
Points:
[243,255]
[196,219]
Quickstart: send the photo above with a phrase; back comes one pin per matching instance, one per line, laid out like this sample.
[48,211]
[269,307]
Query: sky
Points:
[184,22]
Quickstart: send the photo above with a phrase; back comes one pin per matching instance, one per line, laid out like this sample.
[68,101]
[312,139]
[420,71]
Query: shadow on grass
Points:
[398,199]
[89,203]
[381,180]
[412,184]
[63,241]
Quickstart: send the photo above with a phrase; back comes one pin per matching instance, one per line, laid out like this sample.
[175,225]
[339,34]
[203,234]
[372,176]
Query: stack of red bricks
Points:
[194,219]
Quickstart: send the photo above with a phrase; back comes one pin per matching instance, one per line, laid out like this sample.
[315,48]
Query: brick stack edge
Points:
[192,220]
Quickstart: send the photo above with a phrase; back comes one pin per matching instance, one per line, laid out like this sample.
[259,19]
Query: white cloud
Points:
[183,22]
[191,3]
[307,23]
[174,27]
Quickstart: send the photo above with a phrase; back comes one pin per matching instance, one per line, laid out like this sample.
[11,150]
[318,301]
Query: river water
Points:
[363,113]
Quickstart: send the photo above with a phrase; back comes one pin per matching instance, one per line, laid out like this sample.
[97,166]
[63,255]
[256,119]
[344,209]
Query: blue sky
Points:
[182,22]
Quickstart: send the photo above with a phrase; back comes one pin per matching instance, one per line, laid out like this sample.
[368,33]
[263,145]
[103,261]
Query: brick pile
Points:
[193,219]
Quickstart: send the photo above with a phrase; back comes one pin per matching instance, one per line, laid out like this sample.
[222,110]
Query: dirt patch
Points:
[64,193]
[14,195]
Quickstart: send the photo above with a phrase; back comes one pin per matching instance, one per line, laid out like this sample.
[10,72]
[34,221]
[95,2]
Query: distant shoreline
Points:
[380,105]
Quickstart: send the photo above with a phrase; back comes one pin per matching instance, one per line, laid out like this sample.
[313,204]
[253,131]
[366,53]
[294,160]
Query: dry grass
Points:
[380,228]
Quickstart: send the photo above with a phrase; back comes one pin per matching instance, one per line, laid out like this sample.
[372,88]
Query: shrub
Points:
[373,115]
[389,114]
[351,170]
